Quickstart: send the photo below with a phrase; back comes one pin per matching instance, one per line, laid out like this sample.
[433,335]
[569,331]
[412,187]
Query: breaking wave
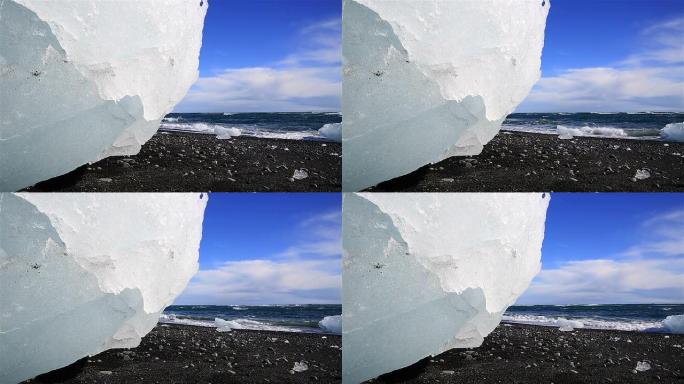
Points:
[329,324]
[330,132]
[672,324]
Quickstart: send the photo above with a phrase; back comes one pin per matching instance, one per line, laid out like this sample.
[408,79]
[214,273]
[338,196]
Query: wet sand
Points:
[530,162]
[534,354]
[189,162]
[185,354]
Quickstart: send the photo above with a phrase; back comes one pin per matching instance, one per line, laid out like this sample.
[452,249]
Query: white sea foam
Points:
[592,323]
[673,132]
[226,133]
[239,130]
[568,132]
[228,325]
[173,319]
[331,324]
[222,325]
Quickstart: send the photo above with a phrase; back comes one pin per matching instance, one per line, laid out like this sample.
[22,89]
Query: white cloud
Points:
[609,282]
[651,271]
[666,236]
[651,79]
[306,80]
[266,282]
[307,272]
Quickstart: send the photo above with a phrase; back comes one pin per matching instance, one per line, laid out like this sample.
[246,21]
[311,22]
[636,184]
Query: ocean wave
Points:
[228,325]
[672,324]
[173,319]
[331,324]
[226,132]
[569,132]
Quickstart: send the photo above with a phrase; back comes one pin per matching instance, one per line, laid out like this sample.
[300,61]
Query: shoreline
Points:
[533,162]
[538,354]
[189,162]
[193,354]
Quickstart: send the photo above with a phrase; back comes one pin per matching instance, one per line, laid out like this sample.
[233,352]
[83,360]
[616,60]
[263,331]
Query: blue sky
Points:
[269,55]
[269,248]
[611,55]
[599,56]
[611,248]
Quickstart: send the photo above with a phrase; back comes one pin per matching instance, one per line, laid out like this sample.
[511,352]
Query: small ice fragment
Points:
[673,132]
[300,174]
[674,323]
[642,174]
[331,131]
[299,367]
[332,324]
[642,366]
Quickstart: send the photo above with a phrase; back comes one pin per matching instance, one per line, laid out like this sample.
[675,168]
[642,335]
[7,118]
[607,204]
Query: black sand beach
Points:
[190,162]
[530,162]
[185,354]
[534,354]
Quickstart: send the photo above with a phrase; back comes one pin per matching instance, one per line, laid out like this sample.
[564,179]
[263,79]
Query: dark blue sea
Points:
[626,317]
[639,126]
[311,318]
[285,125]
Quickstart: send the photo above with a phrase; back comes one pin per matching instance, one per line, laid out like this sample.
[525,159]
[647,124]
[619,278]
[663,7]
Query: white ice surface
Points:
[424,273]
[83,273]
[81,80]
[426,80]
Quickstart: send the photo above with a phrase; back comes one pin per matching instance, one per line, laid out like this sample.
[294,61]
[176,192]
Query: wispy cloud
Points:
[666,237]
[307,272]
[651,271]
[650,79]
[308,79]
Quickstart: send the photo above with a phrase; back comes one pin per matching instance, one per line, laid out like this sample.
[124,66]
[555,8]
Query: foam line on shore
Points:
[594,323]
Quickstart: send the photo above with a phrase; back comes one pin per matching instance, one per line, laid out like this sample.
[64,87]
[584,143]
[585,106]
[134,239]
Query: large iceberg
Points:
[424,273]
[81,80]
[426,80]
[82,273]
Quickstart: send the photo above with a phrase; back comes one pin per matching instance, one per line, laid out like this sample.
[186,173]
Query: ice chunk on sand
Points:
[642,366]
[332,131]
[442,266]
[81,80]
[426,80]
[299,367]
[300,174]
[641,174]
[673,132]
[332,324]
[674,323]
[82,273]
